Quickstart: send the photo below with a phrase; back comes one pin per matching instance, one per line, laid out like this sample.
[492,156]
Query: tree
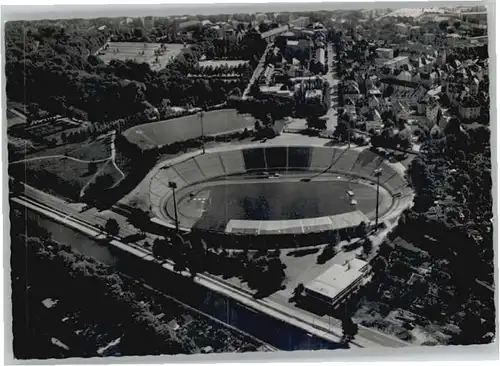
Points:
[443,25]
[16,187]
[139,218]
[349,329]
[362,229]
[299,290]
[112,227]
[92,168]
[367,246]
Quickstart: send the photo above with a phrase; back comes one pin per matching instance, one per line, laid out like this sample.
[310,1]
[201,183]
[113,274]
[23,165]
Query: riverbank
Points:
[276,333]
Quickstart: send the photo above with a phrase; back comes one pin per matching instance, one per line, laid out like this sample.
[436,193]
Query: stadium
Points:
[272,195]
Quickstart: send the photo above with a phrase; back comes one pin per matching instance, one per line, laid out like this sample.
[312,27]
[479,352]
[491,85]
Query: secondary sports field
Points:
[133,51]
[188,127]
[212,205]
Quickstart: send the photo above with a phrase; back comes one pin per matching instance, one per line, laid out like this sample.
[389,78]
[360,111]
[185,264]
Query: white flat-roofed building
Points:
[338,282]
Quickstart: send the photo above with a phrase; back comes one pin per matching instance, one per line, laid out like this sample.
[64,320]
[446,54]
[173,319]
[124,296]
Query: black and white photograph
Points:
[230,180]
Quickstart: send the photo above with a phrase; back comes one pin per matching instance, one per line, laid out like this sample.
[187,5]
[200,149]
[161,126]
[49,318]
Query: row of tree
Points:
[262,272]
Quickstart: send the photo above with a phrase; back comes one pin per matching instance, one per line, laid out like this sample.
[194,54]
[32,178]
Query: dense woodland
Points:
[54,69]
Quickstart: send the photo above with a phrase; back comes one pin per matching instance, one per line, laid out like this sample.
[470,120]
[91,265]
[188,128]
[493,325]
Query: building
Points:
[428,38]
[469,108]
[396,62]
[320,56]
[432,111]
[453,39]
[189,24]
[415,30]
[148,22]
[351,91]
[386,53]
[268,74]
[401,28]
[338,282]
[301,22]
[404,75]
[474,20]
[271,34]
[406,92]
[261,17]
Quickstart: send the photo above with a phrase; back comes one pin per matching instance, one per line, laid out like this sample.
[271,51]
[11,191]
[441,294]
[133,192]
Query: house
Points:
[400,111]
[189,24]
[404,75]
[373,102]
[415,30]
[401,28]
[406,92]
[428,38]
[396,62]
[426,78]
[301,22]
[351,90]
[431,111]
[469,108]
[421,106]
[385,53]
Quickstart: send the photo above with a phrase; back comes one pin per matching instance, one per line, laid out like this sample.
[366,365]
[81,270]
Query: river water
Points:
[279,334]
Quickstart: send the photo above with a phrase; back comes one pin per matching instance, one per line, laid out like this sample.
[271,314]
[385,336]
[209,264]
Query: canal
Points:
[275,332]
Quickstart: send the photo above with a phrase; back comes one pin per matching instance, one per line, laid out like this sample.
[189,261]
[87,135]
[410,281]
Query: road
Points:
[276,307]
[331,115]
[258,70]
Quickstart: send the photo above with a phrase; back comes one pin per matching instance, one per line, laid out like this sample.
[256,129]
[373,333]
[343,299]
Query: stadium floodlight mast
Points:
[378,173]
[173,185]
[201,115]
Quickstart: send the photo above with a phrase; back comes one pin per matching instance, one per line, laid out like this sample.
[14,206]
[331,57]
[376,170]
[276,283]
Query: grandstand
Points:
[189,171]
[210,165]
[298,157]
[354,164]
[233,162]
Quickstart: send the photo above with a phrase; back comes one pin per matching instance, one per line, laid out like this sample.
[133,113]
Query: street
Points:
[331,116]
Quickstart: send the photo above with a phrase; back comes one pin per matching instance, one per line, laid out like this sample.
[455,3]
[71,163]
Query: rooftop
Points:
[337,278]
[275,31]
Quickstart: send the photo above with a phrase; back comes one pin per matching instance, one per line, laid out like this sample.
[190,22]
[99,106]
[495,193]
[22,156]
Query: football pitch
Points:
[212,206]
[133,51]
[188,127]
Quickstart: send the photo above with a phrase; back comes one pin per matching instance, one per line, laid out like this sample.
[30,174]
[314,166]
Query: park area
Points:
[141,52]
[67,171]
[152,135]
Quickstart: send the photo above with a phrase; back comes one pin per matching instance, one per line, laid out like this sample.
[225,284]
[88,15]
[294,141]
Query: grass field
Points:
[178,129]
[213,205]
[133,51]
[68,167]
